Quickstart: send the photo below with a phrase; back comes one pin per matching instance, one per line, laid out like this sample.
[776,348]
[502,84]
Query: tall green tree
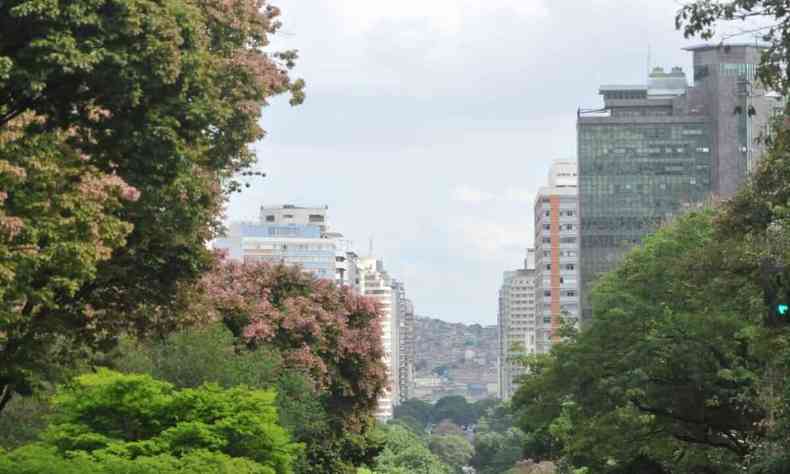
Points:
[122,123]
[454,450]
[406,453]
[107,419]
[669,372]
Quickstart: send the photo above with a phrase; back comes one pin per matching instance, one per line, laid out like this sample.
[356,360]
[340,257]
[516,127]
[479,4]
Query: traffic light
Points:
[776,291]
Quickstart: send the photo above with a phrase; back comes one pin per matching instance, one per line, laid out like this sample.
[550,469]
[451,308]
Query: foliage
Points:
[212,354]
[702,17]
[35,459]
[447,427]
[454,408]
[110,419]
[454,450]
[329,332]
[669,372]
[23,420]
[116,107]
[405,453]
[416,409]
[498,444]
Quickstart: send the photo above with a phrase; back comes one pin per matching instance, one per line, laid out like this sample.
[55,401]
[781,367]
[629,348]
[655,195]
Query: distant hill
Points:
[463,355]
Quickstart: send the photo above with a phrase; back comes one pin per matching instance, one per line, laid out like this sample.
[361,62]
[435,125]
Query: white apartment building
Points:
[556,253]
[516,323]
[375,283]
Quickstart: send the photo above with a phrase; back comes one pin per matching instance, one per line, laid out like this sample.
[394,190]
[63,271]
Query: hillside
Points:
[455,359]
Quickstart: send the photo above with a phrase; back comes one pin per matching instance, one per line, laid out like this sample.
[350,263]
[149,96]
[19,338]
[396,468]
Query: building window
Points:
[547,293]
[570,266]
[269,218]
[316,218]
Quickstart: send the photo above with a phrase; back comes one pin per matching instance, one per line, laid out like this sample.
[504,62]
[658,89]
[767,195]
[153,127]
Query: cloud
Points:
[482,239]
[467,194]
[446,17]
[471,195]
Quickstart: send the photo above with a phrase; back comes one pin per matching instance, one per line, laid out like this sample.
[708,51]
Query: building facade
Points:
[289,244]
[556,253]
[657,149]
[408,348]
[516,323]
[376,284]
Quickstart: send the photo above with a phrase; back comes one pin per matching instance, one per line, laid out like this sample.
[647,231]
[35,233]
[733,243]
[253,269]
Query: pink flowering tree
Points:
[329,332]
[122,126]
[57,224]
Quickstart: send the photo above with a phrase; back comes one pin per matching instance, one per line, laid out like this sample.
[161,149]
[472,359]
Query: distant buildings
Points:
[285,234]
[516,323]
[376,284]
[301,236]
[657,149]
[407,345]
[556,254]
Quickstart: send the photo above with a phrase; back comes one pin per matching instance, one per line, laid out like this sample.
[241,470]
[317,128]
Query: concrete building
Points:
[657,149]
[294,235]
[407,345]
[738,107]
[516,324]
[556,253]
[375,283]
[290,244]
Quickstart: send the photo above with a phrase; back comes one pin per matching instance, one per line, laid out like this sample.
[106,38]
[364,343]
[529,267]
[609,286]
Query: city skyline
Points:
[445,177]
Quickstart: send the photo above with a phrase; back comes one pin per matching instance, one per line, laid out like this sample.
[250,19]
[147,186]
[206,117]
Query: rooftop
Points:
[744,44]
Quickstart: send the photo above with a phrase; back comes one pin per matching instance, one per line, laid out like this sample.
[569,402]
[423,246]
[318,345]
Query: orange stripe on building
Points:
[554,203]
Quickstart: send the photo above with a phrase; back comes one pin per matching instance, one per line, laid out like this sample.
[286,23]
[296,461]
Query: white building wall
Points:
[516,326]
[376,284]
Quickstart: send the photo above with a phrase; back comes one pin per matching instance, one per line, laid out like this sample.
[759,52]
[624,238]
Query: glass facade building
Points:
[655,150]
[642,160]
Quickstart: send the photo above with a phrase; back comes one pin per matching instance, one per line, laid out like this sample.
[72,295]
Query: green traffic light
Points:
[782,309]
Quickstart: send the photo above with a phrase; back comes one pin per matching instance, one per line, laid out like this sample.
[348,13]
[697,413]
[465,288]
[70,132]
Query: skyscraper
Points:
[556,253]
[516,324]
[406,343]
[657,149]
[376,284]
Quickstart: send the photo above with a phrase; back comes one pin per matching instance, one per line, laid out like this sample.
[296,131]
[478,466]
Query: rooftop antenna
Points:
[370,247]
[649,61]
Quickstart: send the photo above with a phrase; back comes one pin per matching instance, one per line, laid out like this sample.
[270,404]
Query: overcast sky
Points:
[430,124]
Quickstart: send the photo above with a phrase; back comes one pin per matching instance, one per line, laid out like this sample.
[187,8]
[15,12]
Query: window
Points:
[288,216]
[570,266]
[316,218]
[270,218]
[547,293]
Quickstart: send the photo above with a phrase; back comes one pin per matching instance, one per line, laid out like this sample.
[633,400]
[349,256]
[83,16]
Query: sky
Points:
[429,125]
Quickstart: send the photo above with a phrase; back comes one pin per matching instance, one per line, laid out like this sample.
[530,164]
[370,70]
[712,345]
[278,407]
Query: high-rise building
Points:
[406,343]
[556,253]
[657,149]
[376,284]
[516,325]
[293,235]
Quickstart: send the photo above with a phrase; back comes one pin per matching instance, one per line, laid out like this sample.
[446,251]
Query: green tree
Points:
[417,409]
[498,444]
[456,409]
[112,419]
[118,107]
[669,371]
[405,453]
[455,451]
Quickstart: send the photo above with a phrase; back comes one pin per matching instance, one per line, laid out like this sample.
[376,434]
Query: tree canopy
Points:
[106,420]
[108,109]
